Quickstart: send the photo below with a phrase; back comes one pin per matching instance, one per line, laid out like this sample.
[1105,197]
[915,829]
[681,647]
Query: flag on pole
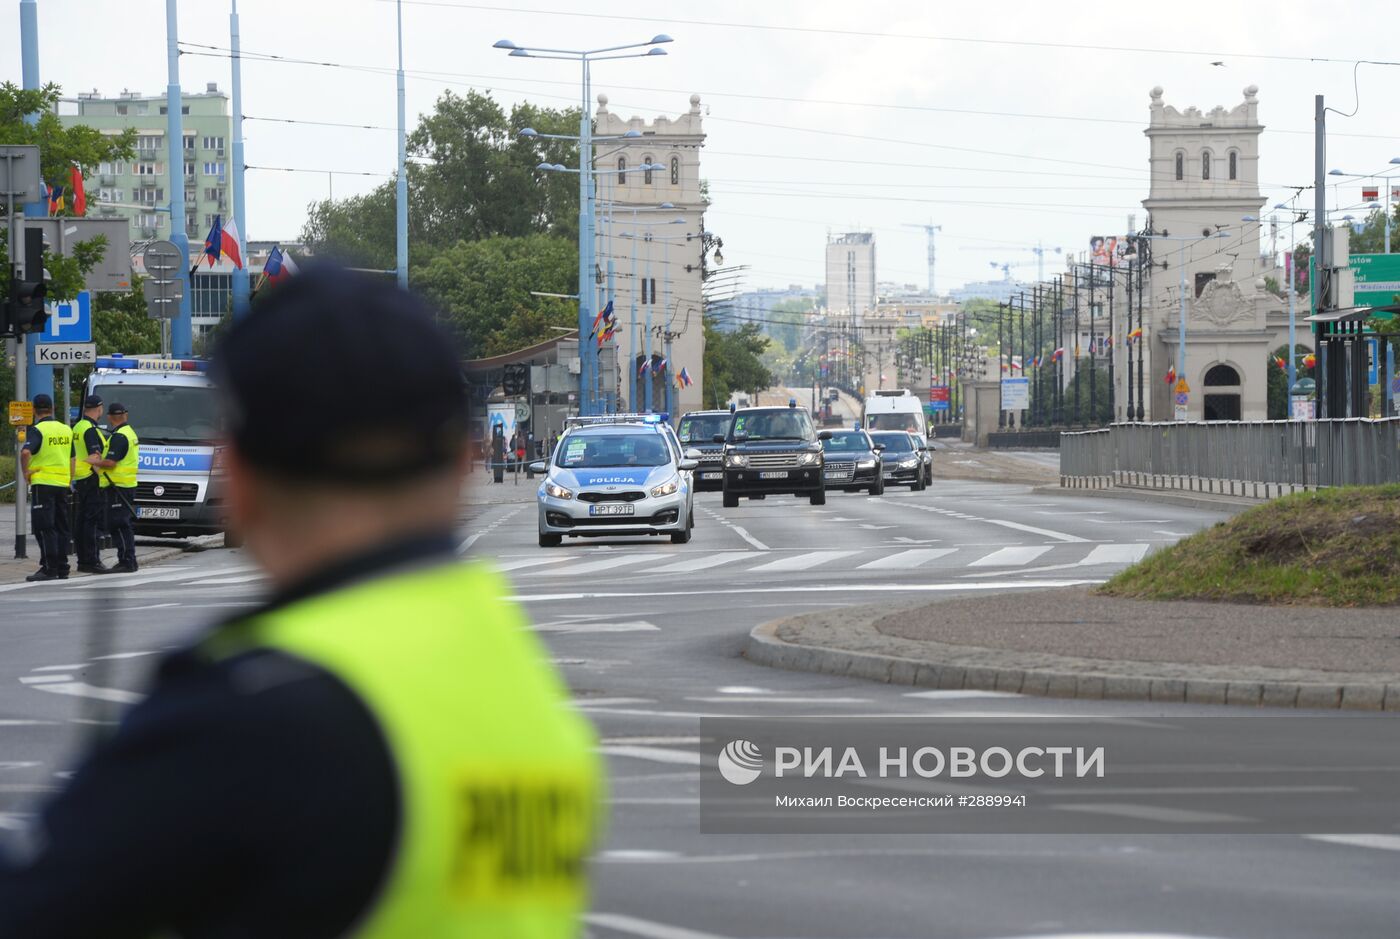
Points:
[55,199]
[660,365]
[603,314]
[684,378]
[75,179]
[1309,360]
[644,367]
[213,242]
[1370,192]
[1281,362]
[1170,377]
[1134,336]
[230,245]
[1058,355]
[278,267]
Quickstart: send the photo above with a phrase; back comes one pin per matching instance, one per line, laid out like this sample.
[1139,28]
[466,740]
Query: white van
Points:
[896,409]
[174,412]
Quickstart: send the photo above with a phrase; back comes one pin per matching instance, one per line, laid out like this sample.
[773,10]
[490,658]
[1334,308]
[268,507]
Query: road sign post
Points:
[165,286]
[1181,398]
[20,182]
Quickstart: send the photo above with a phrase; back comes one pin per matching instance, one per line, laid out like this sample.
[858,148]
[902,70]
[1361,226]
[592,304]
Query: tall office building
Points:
[850,275]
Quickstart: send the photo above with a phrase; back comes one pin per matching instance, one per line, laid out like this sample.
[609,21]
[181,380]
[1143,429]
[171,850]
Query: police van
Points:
[173,409]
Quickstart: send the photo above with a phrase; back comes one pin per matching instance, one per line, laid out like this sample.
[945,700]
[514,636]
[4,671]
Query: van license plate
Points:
[773,474]
[613,508]
[157,512]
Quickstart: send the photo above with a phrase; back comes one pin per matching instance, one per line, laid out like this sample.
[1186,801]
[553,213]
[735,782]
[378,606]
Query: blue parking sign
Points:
[70,321]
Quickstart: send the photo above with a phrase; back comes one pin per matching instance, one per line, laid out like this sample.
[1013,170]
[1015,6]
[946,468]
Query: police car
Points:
[174,411]
[624,474]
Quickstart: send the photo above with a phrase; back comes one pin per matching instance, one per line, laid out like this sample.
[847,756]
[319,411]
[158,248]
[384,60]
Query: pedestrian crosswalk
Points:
[777,564]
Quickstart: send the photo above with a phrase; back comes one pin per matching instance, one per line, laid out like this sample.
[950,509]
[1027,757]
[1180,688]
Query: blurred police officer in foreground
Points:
[89,441]
[47,464]
[117,467]
[381,750]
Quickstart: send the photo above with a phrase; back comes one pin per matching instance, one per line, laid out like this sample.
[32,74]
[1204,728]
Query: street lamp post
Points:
[588,359]
[1184,241]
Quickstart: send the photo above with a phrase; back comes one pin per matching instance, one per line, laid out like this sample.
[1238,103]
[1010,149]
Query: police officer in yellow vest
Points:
[382,750]
[47,463]
[117,468]
[89,440]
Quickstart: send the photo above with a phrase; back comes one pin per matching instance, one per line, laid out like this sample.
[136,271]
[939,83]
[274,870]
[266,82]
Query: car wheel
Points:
[550,541]
[918,484]
[928,475]
[731,500]
[681,537]
[819,497]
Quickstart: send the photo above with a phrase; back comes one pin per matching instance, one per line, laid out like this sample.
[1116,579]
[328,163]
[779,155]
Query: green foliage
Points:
[1368,236]
[1095,407]
[1333,547]
[786,321]
[733,362]
[1278,380]
[483,289]
[476,179]
[59,147]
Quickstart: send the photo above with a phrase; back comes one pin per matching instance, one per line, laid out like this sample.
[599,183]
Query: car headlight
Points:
[666,488]
[865,464]
[558,492]
[908,464]
[807,459]
[736,459]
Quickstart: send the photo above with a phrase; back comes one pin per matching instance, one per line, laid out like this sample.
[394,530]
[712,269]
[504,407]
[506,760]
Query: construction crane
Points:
[1038,250]
[1006,266]
[932,254]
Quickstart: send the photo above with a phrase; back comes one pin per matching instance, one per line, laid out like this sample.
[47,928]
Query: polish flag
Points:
[232,245]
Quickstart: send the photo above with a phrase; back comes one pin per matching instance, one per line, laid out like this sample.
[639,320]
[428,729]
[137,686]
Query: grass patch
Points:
[1335,547]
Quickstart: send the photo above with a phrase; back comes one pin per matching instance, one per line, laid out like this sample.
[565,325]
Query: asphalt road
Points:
[648,635]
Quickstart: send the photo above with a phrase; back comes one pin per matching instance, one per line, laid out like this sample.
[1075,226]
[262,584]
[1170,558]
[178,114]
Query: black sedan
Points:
[903,458]
[853,462]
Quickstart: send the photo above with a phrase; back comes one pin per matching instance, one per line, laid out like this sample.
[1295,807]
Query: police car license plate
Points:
[773,474]
[711,475]
[160,512]
[613,508]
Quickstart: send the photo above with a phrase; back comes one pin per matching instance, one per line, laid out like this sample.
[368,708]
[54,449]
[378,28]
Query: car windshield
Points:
[594,451]
[897,443]
[701,428]
[846,441]
[785,424]
[899,421]
[178,414]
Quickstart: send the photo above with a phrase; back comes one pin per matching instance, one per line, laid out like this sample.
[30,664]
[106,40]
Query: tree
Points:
[786,321]
[733,361]
[483,288]
[473,177]
[1277,376]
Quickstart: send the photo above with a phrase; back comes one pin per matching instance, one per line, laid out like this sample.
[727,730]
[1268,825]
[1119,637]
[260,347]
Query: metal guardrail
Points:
[1258,458]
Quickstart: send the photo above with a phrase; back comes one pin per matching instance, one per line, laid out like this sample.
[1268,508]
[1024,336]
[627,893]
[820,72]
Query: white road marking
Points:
[523,563]
[635,854]
[25,723]
[1174,534]
[1010,557]
[221,581]
[608,702]
[742,689]
[632,926]
[138,579]
[19,764]
[702,562]
[650,741]
[41,679]
[904,560]
[471,539]
[1153,813]
[1116,554]
[629,627]
[774,699]
[58,668]
[82,689]
[1057,535]
[800,562]
[1378,842]
[812,588]
[949,694]
[610,563]
[123,655]
[14,821]
[654,754]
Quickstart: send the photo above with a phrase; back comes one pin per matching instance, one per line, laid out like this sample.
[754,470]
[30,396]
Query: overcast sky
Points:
[1050,151]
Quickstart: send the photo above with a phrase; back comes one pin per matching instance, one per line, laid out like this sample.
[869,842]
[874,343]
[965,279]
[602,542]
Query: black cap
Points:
[331,339]
[116,407]
[92,401]
[43,403]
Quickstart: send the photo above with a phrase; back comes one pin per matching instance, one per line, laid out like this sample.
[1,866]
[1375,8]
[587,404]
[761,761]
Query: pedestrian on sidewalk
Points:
[47,464]
[381,750]
[118,467]
[88,485]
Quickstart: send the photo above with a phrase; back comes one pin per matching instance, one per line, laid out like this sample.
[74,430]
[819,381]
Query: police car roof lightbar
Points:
[617,419]
[135,364]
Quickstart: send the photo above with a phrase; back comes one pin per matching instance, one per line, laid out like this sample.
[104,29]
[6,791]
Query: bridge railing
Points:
[1255,458]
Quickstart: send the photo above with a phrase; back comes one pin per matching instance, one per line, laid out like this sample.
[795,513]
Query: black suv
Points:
[698,430]
[772,451]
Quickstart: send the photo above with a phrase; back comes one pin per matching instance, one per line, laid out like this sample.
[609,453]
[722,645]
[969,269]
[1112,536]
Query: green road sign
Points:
[1377,278]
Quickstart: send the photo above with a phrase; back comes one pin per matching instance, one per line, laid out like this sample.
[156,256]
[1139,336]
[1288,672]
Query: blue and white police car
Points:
[620,475]
[174,411]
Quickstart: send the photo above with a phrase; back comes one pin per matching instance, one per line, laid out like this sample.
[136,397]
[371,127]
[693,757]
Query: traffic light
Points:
[24,307]
[515,379]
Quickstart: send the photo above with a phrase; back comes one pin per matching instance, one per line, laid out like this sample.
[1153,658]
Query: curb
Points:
[200,543]
[1207,503]
[947,666]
